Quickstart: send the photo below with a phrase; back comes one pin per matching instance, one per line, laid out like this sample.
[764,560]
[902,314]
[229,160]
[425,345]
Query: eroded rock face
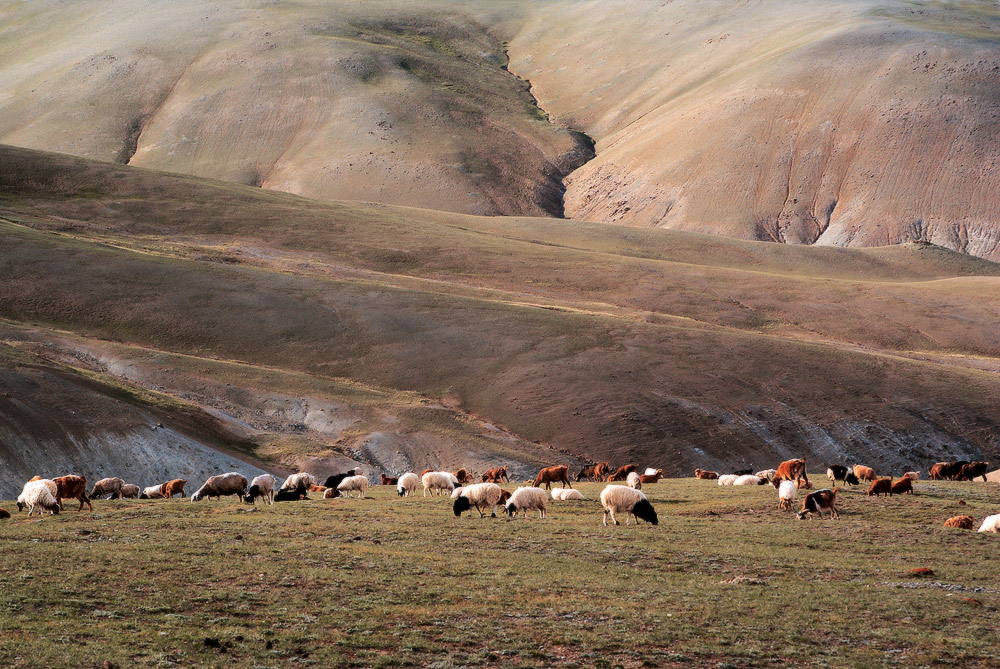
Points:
[844,124]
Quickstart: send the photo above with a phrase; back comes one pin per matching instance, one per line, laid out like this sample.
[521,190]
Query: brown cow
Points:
[903,485]
[622,472]
[172,487]
[72,487]
[495,475]
[554,474]
[864,473]
[705,474]
[970,471]
[391,480]
[880,487]
[602,470]
[791,470]
[961,522]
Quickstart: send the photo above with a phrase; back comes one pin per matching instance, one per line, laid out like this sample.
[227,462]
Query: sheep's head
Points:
[401,491]
[643,510]
[461,504]
[196,497]
[20,506]
[511,510]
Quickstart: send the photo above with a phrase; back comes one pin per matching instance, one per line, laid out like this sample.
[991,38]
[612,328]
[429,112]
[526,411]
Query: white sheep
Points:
[634,481]
[786,494]
[359,483]
[913,476]
[727,479]
[230,483]
[479,495]
[457,492]
[766,474]
[525,499]
[262,486]
[566,494]
[152,492]
[749,479]
[130,491]
[652,472]
[991,524]
[440,481]
[621,499]
[300,480]
[39,495]
[407,483]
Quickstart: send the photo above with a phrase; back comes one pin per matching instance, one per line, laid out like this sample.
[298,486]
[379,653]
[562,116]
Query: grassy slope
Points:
[390,582]
[696,342]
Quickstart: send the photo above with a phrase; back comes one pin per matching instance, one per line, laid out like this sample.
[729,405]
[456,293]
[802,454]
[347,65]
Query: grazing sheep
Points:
[407,484]
[880,487]
[705,474]
[22,498]
[864,473]
[152,492]
[728,479]
[352,483]
[818,502]
[108,486]
[230,483]
[749,479]
[991,524]
[297,480]
[566,494]
[334,480]
[437,481]
[786,494]
[903,485]
[456,493]
[479,495]
[554,474]
[130,491]
[261,487]
[766,474]
[38,495]
[621,499]
[73,487]
[527,499]
[634,481]
[961,522]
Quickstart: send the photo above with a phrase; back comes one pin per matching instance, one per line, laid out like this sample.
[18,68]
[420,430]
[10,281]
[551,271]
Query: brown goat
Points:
[72,487]
[550,475]
[463,476]
[864,473]
[791,470]
[602,470]
[961,522]
[970,471]
[937,471]
[495,475]
[650,478]
[880,487]
[586,473]
[818,502]
[389,480]
[705,474]
[171,488]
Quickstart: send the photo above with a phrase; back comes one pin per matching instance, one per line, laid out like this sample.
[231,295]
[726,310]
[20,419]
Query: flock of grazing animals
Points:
[788,478]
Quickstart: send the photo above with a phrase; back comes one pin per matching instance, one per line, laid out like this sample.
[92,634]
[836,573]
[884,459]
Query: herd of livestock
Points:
[47,495]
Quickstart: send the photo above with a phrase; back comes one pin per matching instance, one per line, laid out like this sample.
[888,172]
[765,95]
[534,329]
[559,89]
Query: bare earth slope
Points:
[448,334]
[835,123]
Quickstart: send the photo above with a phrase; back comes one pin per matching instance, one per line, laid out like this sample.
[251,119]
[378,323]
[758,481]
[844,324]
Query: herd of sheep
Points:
[45,495]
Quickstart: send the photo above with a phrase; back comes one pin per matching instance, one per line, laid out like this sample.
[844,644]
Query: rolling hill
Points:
[433,339]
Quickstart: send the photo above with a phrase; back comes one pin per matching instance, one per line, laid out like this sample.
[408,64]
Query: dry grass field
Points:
[724,580]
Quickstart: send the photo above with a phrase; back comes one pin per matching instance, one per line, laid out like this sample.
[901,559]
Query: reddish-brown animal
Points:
[649,478]
[171,488]
[903,485]
[705,474]
[389,480]
[602,470]
[463,476]
[72,487]
[970,471]
[622,472]
[937,471]
[4,513]
[495,475]
[961,522]
[317,488]
[504,496]
[791,470]
[554,474]
[880,487]
[425,471]
[818,502]
[589,472]
[864,473]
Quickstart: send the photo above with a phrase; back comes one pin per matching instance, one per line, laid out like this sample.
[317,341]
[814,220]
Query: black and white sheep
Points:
[621,499]
[479,495]
[262,487]
[407,483]
[354,483]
